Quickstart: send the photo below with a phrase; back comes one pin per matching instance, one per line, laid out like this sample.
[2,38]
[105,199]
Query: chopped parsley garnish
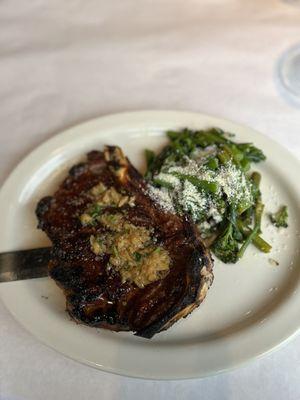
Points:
[95,210]
[137,256]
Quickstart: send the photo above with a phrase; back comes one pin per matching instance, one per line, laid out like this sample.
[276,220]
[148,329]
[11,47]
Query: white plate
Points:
[252,306]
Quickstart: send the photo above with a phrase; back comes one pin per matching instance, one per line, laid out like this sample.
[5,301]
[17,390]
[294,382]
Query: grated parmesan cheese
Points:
[171,179]
[233,183]
[202,206]
[162,198]
[191,200]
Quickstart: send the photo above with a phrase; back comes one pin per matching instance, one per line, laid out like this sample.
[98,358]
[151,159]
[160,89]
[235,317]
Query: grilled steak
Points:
[122,262]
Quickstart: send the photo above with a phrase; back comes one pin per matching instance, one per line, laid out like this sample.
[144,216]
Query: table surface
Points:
[62,63]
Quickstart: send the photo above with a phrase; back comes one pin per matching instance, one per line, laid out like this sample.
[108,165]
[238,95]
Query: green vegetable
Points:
[209,137]
[246,243]
[235,154]
[185,141]
[162,183]
[245,164]
[226,246]
[261,244]
[243,206]
[280,218]
[173,135]
[252,153]
[224,157]
[211,187]
[258,241]
[137,256]
[241,219]
[256,178]
[258,211]
[259,207]
[150,158]
[212,163]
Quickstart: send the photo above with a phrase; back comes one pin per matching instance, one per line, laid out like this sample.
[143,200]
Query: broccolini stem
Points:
[162,183]
[234,153]
[256,178]
[223,156]
[199,183]
[261,244]
[209,137]
[150,159]
[245,164]
[212,163]
[259,208]
[258,241]
[246,243]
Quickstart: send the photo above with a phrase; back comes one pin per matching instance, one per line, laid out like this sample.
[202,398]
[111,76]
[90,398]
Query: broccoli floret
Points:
[279,218]
[226,246]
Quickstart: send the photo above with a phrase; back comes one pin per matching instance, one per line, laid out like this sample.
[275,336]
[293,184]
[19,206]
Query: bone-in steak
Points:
[122,261]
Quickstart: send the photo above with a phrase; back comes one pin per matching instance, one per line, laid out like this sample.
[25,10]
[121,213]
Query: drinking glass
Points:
[289,74]
[288,71]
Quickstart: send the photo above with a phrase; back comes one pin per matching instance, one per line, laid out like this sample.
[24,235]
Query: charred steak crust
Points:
[95,294]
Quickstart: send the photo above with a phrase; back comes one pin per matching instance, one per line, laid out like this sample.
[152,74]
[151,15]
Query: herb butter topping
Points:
[104,197]
[132,250]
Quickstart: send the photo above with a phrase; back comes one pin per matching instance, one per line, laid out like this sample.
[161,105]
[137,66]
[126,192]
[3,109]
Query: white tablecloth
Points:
[63,62]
